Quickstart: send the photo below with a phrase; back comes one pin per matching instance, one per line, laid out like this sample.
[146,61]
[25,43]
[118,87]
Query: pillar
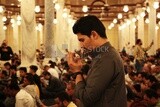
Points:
[28,33]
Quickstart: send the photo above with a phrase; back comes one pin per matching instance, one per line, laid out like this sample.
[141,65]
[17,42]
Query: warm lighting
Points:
[57,6]
[156,27]
[4,27]
[120,15]
[142,14]
[134,19]
[147,20]
[125,8]
[138,17]
[85,8]
[13,25]
[148,9]
[115,21]
[12,21]
[55,21]
[18,17]
[54,1]
[37,9]
[128,22]
[159,22]
[18,22]
[109,27]
[4,18]
[112,24]
[158,15]
[156,5]
[65,15]
[1,9]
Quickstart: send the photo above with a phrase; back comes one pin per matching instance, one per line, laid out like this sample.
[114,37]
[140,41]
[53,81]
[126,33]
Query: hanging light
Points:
[142,14]
[138,17]
[18,17]
[156,27]
[1,9]
[147,20]
[12,21]
[134,19]
[57,6]
[156,5]
[55,21]
[148,9]
[85,8]
[128,22]
[54,1]
[18,22]
[158,15]
[4,18]
[125,8]
[37,9]
[4,27]
[115,21]
[120,15]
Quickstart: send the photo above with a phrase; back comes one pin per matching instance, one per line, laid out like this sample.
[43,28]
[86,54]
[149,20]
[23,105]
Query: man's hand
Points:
[74,62]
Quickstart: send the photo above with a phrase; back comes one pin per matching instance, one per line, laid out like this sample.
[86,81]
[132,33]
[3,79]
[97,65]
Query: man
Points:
[139,54]
[33,69]
[5,51]
[51,89]
[63,100]
[105,84]
[23,73]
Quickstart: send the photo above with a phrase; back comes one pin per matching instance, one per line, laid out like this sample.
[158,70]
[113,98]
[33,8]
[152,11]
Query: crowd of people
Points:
[101,77]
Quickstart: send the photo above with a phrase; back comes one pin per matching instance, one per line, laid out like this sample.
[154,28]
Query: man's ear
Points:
[94,35]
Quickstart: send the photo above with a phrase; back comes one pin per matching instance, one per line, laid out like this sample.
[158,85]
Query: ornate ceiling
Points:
[104,9]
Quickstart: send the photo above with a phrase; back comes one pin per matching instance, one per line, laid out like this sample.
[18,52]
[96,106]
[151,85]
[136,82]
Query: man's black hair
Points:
[85,25]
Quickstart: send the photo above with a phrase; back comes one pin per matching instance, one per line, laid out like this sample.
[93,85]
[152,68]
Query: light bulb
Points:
[120,15]
[85,8]
[125,8]
[37,9]
[57,6]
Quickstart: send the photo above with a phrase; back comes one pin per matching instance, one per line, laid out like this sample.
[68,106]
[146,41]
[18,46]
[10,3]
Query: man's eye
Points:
[81,40]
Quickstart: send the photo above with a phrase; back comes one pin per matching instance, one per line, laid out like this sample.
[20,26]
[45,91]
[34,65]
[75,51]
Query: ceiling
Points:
[104,9]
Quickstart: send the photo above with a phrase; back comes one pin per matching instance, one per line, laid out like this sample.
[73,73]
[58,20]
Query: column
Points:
[132,31]
[2,31]
[140,24]
[15,38]
[28,33]
[152,31]
[48,29]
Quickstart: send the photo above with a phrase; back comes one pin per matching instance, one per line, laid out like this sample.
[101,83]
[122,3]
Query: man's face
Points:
[22,73]
[85,41]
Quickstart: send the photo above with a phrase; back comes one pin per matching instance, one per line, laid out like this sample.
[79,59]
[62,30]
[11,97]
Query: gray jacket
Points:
[105,83]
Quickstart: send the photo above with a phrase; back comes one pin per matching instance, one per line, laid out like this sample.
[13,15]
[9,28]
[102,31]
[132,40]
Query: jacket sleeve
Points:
[96,83]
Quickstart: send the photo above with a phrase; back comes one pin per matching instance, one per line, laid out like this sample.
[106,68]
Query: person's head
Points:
[46,75]
[4,74]
[28,80]
[90,30]
[4,43]
[23,71]
[13,69]
[151,97]
[63,99]
[70,88]
[7,65]
[33,69]
[138,42]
